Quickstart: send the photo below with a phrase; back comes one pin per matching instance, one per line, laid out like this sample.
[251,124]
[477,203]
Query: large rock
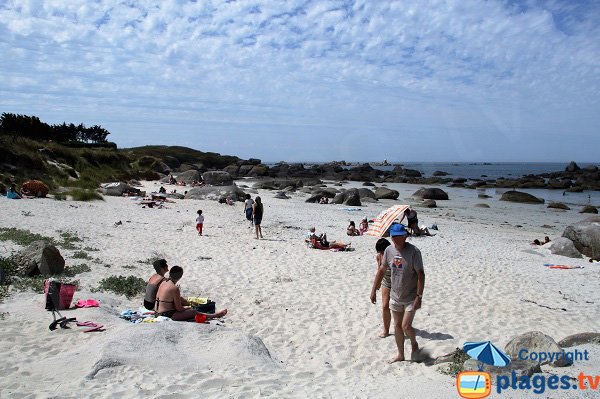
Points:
[117,189]
[580,339]
[39,257]
[430,193]
[161,167]
[411,173]
[518,196]
[216,193]
[217,178]
[429,203]
[366,193]
[564,247]
[572,167]
[585,236]
[535,341]
[589,209]
[386,193]
[188,177]
[277,184]
[558,205]
[349,197]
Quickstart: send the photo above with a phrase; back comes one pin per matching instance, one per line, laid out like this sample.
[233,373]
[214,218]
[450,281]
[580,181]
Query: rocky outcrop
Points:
[564,247]
[386,193]
[188,177]
[349,197]
[589,209]
[117,189]
[216,193]
[585,236]
[430,193]
[217,178]
[39,257]
[518,196]
[580,339]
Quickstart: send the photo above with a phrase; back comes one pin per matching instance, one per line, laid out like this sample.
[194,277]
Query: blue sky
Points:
[354,80]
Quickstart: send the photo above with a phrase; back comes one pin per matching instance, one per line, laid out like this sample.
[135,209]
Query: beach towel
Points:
[564,267]
[87,303]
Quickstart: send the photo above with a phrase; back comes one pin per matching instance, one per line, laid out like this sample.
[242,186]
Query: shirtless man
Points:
[171,304]
[408,282]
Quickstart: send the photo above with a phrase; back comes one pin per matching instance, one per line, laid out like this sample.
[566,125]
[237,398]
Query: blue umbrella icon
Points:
[486,352]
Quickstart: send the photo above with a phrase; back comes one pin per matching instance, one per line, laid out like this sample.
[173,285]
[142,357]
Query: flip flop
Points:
[63,324]
[94,326]
[54,325]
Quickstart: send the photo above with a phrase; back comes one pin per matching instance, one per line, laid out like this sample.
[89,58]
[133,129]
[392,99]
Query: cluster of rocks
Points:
[573,178]
[523,351]
[580,238]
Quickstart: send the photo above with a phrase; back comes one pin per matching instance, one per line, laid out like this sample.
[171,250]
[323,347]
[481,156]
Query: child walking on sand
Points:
[199,222]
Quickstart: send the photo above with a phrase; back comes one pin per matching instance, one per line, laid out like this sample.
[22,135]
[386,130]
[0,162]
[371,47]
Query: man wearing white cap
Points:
[408,281]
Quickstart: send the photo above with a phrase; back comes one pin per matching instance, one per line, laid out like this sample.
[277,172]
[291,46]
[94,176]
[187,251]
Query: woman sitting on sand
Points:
[363,227]
[351,230]
[171,304]
[161,268]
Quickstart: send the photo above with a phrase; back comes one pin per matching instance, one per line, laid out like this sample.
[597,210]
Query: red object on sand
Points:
[200,318]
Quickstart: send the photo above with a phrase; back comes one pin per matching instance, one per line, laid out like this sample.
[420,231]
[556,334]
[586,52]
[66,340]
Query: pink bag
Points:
[58,295]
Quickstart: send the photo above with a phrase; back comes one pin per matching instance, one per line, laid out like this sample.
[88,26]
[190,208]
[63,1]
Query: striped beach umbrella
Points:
[385,219]
[486,352]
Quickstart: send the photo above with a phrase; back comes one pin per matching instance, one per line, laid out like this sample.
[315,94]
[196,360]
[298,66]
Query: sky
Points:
[308,80]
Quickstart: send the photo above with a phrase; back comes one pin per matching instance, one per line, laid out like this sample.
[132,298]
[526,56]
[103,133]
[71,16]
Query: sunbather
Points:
[351,230]
[161,268]
[171,304]
[324,244]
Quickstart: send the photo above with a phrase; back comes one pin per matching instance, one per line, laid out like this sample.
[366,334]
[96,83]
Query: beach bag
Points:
[208,307]
[58,295]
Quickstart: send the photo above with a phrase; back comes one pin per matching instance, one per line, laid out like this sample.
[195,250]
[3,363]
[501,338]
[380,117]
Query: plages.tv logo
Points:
[473,384]
[478,384]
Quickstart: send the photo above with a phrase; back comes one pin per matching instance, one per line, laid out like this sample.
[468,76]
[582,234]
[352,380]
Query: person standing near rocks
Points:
[408,282]
[248,203]
[257,214]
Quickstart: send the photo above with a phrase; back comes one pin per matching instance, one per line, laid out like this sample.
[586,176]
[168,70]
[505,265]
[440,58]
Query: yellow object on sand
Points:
[195,301]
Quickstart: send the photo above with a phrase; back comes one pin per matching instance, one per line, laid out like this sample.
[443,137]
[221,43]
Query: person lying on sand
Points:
[538,242]
[171,304]
[324,244]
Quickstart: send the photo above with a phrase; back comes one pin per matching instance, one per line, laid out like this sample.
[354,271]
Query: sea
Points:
[495,170]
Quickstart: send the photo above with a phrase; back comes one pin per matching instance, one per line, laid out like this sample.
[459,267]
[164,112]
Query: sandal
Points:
[56,322]
[63,323]
[94,326]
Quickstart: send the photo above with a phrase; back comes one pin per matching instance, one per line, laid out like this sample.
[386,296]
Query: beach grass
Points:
[22,237]
[85,194]
[128,286]
[81,255]
[457,364]
[72,271]
[68,240]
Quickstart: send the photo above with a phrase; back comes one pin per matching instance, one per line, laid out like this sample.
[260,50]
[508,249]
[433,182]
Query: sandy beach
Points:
[300,322]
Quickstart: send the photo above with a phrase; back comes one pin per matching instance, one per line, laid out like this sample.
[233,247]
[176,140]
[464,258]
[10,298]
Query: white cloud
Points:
[359,67]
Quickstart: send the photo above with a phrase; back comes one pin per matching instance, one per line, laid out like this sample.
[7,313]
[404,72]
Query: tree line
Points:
[33,128]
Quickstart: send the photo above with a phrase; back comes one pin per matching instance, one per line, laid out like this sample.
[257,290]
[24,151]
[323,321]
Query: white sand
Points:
[310,308]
